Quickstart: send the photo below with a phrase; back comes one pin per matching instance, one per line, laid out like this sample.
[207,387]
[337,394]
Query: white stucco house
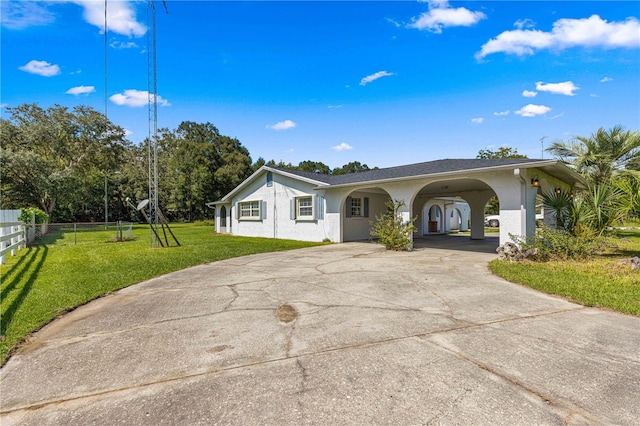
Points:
[442,195]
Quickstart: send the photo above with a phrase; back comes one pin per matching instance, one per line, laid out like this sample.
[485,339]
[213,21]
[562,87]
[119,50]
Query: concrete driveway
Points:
[339,334]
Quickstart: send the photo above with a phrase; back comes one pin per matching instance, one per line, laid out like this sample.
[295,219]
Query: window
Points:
[304,208]
[356,207]
[250,210]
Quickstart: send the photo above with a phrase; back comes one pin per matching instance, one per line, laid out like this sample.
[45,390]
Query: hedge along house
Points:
[292,204]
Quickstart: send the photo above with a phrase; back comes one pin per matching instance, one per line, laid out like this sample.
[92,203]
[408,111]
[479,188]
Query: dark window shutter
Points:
[366,207]
[263,209]
[314,207]
[348,207]
[320,207]
[292,209]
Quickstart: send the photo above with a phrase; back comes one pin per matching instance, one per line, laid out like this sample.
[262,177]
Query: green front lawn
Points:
[601,282]
[49,279]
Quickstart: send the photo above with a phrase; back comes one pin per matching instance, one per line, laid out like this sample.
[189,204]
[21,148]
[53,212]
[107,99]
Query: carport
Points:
[516,183]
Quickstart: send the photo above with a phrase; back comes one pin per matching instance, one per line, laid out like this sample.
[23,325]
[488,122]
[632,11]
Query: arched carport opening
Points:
[434,219]
[358,209]
[456,222]
[460,205]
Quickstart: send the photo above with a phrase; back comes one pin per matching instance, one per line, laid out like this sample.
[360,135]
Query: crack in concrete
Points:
[303,389]
[548,399]
[430,290]
[235,297]
[361,296]
[288,357]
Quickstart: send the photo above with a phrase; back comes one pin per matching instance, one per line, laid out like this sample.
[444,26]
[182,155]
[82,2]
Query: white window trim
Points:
[257,217]
[311,205]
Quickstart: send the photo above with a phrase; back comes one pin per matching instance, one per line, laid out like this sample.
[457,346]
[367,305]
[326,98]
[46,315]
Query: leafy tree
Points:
[197,164]
[493,205]
[281,165]
[352,167]
[50,158]
[259,163]
[314,167]
[502,152]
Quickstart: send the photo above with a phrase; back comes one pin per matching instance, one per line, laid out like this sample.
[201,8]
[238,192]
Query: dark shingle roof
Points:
[411,170]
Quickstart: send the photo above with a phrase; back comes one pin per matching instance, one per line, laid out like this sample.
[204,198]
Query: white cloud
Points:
[593,95]
[529,94]
[478,120]
[342,147]
[136,98]
[42,68]
[80,90]
[565,88]
[373,77]
[334,106]
[19,15]
[121,17]
[524,23]
[282,125]
[532,110]
[441,15]
[123,45]
[395,23]
[501,113]
[605,79]
[586,32]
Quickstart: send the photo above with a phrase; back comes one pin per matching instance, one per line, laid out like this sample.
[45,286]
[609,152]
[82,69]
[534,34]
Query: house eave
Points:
[533,164]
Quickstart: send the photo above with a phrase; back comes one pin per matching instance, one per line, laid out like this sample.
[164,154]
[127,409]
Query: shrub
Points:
[559,244]
[393,233]
[205,222]
[26,214]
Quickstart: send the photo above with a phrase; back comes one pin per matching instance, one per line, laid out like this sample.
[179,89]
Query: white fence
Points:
[12,233]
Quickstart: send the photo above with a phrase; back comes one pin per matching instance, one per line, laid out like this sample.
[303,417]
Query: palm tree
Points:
[603,155]
[610,161]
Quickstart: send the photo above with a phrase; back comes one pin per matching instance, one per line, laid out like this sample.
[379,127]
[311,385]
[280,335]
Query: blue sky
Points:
[383,83]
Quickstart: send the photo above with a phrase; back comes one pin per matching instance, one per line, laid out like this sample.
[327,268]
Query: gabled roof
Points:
[307,177]
[448,167]
[439,167]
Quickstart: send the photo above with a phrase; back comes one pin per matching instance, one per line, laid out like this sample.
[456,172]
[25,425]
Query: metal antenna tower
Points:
[152,83]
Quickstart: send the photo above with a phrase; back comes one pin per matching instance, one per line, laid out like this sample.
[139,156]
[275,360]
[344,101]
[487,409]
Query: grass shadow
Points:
[39,254]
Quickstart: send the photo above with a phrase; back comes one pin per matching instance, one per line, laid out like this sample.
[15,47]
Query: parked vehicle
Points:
[493,221]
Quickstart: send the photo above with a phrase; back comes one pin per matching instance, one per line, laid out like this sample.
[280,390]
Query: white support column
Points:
[477,201]
[517,207]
